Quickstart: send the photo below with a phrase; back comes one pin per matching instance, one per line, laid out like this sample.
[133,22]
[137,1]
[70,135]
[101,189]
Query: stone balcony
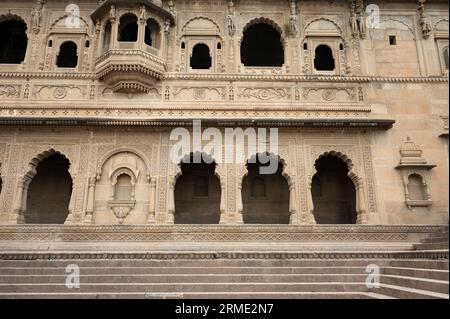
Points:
[129,70]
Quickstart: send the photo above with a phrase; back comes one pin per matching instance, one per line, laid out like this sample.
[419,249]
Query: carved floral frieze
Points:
[265,94]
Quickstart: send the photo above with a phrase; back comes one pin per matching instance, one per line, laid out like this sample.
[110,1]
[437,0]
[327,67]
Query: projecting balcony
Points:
[129,70]
[132,43]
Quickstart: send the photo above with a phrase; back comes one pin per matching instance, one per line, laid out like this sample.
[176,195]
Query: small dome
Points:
[410,149]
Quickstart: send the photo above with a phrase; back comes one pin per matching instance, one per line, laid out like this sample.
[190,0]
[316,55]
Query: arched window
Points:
[201,186]
[446,58]
[153,34]
[128,28]
[123,188]
[258,188]
[201,57]
[416,188]
[67,57]
[262,47]
[13,41]
[324,60]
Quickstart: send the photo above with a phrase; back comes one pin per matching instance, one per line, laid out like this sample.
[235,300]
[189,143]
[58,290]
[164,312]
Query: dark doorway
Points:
[107,37]
[324,60]
[201,57]
[265,198]
[333,192]
[262,46]
[128,28]
[67,57]
[197,194]
[152,34]
[49,192]
[13,41]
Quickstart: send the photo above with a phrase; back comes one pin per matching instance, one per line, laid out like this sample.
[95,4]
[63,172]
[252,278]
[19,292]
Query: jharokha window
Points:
[68,56]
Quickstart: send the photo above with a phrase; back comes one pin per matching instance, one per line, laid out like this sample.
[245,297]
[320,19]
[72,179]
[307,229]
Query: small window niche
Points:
[414,170]
[123,184]
[392,40]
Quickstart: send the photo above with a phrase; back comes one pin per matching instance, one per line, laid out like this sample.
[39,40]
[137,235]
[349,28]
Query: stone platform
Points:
[231,262]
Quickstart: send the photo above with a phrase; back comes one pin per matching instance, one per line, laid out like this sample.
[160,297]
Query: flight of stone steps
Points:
[436,241]
[226,278]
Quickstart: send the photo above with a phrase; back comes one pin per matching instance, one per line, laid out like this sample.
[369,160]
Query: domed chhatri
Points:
[410,149]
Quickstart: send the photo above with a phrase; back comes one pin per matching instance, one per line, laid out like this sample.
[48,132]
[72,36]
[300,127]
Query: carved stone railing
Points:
[129,71]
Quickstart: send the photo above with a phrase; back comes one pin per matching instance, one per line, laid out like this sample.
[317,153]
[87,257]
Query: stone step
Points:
[434,285]
[432,246]
[408,293]
[182,270]
[186,287]
[412,263]
[416,272]
[401,271]
[209,295]
[189,278]
[435,239]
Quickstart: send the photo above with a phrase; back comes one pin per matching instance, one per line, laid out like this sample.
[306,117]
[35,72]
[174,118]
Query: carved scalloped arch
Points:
[243,172]
[347,160]
[198,18]
[439,21]
[101,162]
[41,157]
[178,172]
[86,24]
[12,16]
[399,21]
[265,21]
[323,19]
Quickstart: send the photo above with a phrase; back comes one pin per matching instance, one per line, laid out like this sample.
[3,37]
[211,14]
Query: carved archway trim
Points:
[219,32]
[264,20]
[31,173]
[12,16]
[101,162]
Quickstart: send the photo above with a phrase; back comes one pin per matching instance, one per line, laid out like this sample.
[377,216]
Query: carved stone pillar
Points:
[88,219]
[293,208]
[171,204]
[70,218]
[141,34]
[308,217]
[17,216]
[114,34]
[152,204]
[361,203]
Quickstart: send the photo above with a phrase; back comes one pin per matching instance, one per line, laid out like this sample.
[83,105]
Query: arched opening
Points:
[49,192]
[67,57]
[262,47]
[197,194]
[265,197]
[333,192]
[13,41]
[446,58]
[128,28]
[107,37]
[201,57]
[324,60]
[416,188]
[123,190]
[153,34]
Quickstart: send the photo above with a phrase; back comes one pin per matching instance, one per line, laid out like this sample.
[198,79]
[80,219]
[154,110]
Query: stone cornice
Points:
[216,233]
[225,122]
[239,77]
[434,255]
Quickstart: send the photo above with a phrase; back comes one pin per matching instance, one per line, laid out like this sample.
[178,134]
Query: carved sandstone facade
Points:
[101,85]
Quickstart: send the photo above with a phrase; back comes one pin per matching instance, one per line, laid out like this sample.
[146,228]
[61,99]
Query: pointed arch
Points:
[105,157]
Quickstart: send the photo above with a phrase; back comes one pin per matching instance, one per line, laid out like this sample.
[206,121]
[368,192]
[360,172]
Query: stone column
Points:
[293,210]
[90,201]
[17,216]
[69,219]
[171,204]
[141,34]
[309,216]
[114,34]
[223,203]
[361,203]
[152,204]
